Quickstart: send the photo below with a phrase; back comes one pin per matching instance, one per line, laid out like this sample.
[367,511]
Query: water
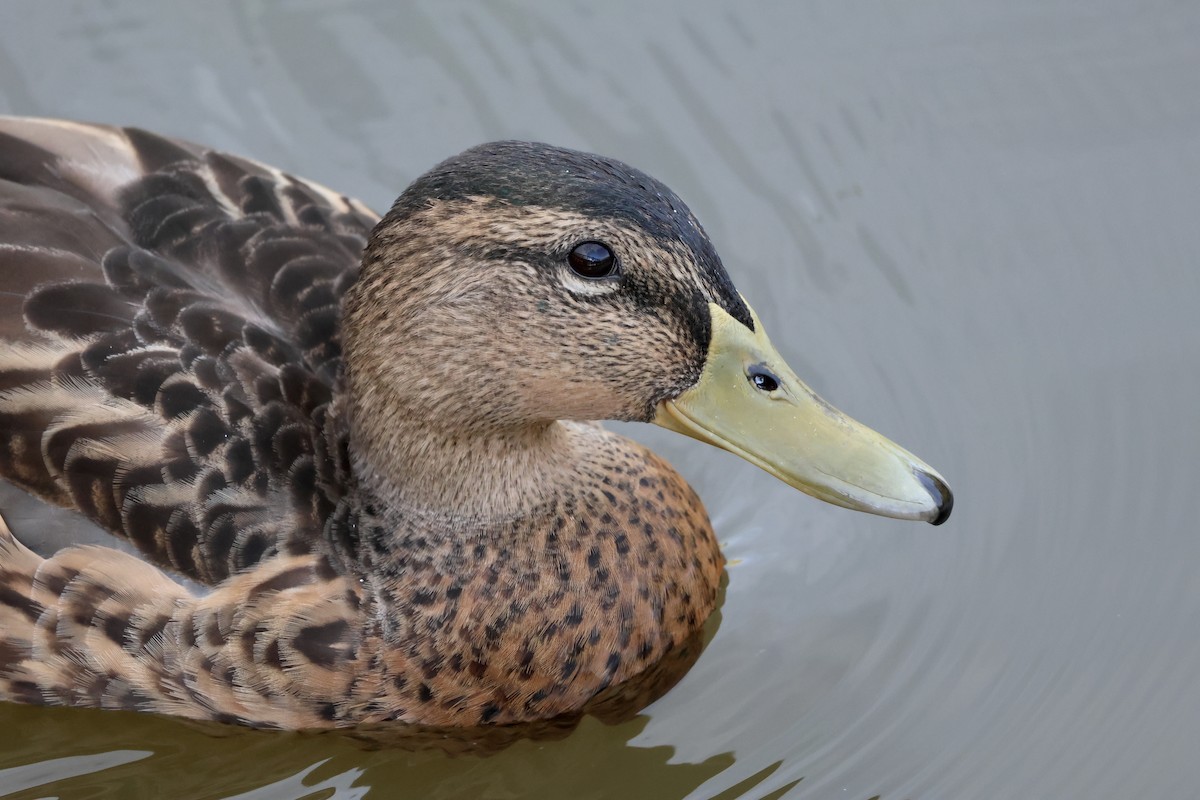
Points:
[974,228]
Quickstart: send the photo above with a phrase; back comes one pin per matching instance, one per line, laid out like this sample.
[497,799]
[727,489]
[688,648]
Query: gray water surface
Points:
[972,226]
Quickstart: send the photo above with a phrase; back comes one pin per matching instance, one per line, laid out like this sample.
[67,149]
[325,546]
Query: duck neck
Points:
[481,474]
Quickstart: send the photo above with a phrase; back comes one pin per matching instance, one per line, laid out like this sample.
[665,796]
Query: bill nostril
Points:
[762,378]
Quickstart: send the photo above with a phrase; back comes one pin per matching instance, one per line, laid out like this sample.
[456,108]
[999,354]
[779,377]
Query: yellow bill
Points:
[749,402]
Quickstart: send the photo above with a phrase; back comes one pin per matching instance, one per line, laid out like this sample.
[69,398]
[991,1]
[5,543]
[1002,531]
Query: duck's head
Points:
[517,284]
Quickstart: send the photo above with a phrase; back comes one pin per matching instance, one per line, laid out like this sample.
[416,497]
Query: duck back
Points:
[170,340]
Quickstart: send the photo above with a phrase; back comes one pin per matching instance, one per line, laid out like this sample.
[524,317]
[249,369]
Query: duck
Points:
[349,464]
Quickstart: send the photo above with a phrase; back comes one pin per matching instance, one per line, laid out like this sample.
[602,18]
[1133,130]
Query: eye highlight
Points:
[593,260]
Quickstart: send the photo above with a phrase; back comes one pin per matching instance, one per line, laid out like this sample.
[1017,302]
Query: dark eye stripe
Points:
[593,260]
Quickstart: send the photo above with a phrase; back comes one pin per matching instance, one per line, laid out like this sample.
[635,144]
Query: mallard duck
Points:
[370,438]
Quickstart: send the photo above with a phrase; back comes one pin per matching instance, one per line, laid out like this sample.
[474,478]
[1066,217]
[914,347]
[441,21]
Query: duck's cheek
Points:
[552,396]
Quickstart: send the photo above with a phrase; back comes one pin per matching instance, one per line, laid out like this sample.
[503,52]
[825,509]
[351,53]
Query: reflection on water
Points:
[972,228]
[54,770]
[245,763]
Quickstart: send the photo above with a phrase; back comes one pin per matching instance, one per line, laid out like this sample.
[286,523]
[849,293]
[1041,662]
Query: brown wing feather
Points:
[169,339]
[93,626]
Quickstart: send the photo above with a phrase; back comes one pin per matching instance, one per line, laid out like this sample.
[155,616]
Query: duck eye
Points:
[762,378]
[593,260]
